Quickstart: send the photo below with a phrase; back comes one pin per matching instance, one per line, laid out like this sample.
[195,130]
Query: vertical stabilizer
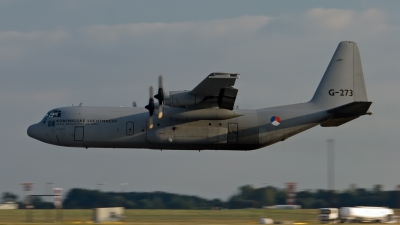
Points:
[343,81]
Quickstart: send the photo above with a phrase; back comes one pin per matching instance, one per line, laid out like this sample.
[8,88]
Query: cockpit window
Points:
[55,113]
[51,114]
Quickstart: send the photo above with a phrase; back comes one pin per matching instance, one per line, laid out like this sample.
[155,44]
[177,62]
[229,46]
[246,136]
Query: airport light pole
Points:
[48,191]
[99,185]
[266,197]
[49,188]
[265,185]
[28,200]
[398,196]
[331,171]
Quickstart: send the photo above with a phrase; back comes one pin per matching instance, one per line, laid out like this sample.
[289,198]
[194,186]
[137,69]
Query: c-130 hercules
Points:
[205,118]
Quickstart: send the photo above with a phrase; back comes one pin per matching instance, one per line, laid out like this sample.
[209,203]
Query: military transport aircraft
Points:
[205,117]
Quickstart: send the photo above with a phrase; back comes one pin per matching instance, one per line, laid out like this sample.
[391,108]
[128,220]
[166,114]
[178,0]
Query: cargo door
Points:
[217,135]
[232,132]
[78,136]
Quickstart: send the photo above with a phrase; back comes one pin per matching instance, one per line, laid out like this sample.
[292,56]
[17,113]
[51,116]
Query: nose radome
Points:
[31,131]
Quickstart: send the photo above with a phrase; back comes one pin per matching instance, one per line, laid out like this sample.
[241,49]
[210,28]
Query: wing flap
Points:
[227,97]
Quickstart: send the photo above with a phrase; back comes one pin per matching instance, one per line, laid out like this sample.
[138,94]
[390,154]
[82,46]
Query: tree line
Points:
[246,197]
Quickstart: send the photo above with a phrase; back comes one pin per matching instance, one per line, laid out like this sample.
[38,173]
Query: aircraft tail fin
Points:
[343,81]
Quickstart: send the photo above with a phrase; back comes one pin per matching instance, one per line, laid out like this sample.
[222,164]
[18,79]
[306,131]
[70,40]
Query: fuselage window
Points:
[51,123]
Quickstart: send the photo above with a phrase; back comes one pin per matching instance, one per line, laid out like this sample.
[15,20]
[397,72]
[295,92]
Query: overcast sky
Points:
[107,53]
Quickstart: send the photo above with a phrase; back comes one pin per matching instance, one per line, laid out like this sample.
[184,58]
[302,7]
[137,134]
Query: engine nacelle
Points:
[181,99]
[201,114]
[182,134]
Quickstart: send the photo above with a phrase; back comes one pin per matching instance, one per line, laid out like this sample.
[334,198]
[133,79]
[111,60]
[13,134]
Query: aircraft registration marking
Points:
[342,92]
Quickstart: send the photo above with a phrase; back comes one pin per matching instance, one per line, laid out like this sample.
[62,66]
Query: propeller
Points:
[150,107]
[160,96]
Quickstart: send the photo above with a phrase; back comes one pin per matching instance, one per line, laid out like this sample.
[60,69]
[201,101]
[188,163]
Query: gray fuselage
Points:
[127,127]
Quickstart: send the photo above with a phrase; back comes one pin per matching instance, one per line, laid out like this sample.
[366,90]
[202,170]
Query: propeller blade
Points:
[160,111]
[150,107]
[160,96]
[160,81]
[150,122]
[151,92]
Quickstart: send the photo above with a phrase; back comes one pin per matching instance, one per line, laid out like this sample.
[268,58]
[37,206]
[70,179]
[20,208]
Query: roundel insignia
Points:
[275,120]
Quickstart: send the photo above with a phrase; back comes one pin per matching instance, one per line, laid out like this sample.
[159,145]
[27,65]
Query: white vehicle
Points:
[365,214]
[329,215]
[9,205]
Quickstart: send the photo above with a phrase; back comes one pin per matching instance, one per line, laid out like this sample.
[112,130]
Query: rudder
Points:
[343,81]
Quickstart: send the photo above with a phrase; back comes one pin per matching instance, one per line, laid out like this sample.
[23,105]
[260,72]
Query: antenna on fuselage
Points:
[134,104]
[80,104]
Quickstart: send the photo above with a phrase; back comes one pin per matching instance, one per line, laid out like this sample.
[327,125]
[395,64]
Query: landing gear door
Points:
[232,133]
[78,136]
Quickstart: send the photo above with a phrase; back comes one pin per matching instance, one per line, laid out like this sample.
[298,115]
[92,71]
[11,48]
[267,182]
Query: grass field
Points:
[166,217]
[245,216]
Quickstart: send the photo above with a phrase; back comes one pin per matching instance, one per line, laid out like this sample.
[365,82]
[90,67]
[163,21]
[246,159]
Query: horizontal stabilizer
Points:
[346,113]
[335,122]
[351,109]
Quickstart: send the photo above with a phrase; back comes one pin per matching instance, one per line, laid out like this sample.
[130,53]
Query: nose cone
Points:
[32,131]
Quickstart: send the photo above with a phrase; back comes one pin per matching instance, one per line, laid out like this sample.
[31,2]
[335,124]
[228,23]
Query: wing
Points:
[214,91]
[213,83]
[217,90]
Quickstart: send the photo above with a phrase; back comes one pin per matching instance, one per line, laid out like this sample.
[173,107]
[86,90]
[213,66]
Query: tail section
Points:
[343,81]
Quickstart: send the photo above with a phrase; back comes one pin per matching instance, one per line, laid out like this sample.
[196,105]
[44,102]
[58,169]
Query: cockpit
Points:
[43,130]
[51,114]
